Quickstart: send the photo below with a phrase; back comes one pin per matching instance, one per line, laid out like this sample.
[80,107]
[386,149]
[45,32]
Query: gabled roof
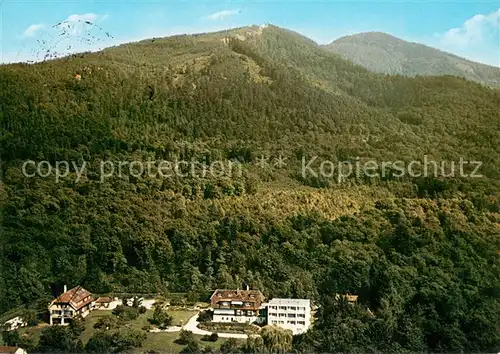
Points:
[103,299]
[8,350]
[238,295]
[74,297]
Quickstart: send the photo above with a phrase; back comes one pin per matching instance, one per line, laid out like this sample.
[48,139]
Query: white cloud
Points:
[33,29]
[221,15]
[478,39]
[82,17]
[77,33]
[478,29]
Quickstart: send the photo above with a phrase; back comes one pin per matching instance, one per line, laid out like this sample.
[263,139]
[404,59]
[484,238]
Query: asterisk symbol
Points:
[262,161]
[279,162]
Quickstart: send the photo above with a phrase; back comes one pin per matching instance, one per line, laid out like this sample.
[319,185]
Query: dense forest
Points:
[422,253]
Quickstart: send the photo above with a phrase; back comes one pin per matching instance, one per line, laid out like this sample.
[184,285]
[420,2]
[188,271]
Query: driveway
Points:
[192,325]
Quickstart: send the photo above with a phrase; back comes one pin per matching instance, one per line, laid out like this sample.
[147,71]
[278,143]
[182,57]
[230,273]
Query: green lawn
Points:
[162,342]
[179,317]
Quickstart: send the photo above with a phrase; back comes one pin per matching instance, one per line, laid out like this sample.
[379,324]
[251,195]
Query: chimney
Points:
[65,288]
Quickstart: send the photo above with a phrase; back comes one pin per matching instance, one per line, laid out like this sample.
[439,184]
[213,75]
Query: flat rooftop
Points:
[290,302]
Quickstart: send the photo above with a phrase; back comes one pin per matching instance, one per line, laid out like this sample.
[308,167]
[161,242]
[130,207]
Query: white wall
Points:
[287,313]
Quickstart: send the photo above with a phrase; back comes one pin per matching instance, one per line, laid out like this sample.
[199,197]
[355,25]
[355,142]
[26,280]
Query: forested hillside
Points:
[422,253]
[383,53]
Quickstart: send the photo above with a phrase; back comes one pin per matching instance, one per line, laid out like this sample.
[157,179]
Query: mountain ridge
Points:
[384,53]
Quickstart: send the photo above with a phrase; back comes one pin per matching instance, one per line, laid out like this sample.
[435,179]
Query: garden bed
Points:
[229,327]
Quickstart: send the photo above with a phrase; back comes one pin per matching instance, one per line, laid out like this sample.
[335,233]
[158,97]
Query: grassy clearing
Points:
[162,342]
[179,317]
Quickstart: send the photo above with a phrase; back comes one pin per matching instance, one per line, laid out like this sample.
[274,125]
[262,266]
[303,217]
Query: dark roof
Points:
[237,295]
[75,298]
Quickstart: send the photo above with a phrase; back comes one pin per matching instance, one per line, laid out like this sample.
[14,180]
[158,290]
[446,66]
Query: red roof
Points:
[103,299]
[76,298]
[8,350]
[254,297]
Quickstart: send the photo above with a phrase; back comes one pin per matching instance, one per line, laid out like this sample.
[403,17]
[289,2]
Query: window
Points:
[282,315]
[272,314]
[273,307]
[293,308]
[301,315]
[301,322]
[282,307]
[291,315]
[291,322]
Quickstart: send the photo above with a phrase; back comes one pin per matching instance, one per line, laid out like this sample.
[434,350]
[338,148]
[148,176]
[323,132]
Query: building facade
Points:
[72,303]
[12,350]
[103,302]
[293,314]
[243,306]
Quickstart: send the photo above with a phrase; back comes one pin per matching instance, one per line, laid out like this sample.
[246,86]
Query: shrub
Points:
[205,316]
[58,339]
[77,326]
[161,318]
[208,350]
[106,322]
[30,317]
[137,302]
[230,327]
[185,337]
[229,346]
[126,313]
[191,347]
[107,342]
[178,302]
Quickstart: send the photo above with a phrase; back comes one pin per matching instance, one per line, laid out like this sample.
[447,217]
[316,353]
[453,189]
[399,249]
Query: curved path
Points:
[192,325]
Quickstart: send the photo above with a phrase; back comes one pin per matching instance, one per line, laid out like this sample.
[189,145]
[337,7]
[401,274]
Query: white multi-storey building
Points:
[293,314]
